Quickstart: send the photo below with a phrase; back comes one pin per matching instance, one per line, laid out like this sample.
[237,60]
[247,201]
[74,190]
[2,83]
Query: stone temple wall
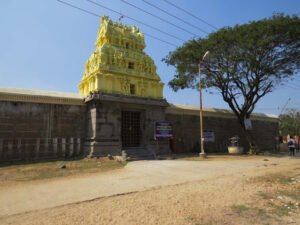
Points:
[38,131]
[187,132]
[30,131]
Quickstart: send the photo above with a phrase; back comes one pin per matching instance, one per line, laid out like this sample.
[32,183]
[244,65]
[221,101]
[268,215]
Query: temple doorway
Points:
[130,129]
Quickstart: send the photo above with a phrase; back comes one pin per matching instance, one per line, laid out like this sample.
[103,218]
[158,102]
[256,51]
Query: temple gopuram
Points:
[119,65]
[120,84]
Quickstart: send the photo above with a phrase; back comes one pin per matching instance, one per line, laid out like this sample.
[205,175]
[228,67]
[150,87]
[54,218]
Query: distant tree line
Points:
[290,123]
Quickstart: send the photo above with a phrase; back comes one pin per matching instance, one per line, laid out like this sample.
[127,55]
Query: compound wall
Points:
[223,125]
[35,131]
[40,131]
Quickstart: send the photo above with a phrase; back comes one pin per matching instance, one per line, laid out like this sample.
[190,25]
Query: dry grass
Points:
[220,157]
[47,170]
[281,196]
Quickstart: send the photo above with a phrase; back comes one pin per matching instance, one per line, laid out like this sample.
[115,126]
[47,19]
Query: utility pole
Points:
[202,153]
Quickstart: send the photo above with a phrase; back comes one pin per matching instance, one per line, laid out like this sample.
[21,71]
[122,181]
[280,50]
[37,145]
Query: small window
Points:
[130,65]
[132,89]
[127,45]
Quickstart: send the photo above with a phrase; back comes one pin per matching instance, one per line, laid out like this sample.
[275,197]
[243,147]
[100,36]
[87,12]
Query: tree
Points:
[290,123]
[245,63]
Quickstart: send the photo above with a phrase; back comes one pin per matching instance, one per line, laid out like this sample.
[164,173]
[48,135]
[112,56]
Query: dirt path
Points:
[137,176]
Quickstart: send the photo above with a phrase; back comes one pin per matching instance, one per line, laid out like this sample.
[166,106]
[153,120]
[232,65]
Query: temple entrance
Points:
[130,129]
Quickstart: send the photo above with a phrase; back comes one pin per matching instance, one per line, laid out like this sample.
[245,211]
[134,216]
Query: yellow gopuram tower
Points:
[119,65]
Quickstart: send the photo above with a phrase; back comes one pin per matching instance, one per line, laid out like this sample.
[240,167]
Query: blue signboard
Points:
[209,136]
[163,130]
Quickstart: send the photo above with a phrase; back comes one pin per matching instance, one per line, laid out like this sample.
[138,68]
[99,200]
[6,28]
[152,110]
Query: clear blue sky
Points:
[45,44]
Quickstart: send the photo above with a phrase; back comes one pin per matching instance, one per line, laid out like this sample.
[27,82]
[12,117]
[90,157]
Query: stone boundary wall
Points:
[34,149]
[224,126]
[38,96]
[32,131]
[35,125]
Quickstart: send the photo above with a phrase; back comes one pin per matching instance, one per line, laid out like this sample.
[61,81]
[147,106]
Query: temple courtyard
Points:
[187,190]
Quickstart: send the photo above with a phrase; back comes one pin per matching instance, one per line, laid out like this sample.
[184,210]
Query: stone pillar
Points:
[63,147]
[37,148]
[71,147]
[91,128]
[9,148]
[26,149]
[46,150]
[1,149]
[19,148]
[103,122]
[54,147]
[78,146]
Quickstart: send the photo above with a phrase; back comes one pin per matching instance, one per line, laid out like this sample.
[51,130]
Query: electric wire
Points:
[138,21]
[291,86]
[160,18]
[78,8]
[176,17]
[283,108]
[192,15]
[94,14]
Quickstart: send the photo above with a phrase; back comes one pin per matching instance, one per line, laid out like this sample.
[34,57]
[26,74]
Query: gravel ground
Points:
[158,192]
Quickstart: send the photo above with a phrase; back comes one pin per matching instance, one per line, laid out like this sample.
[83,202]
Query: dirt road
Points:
[137,176]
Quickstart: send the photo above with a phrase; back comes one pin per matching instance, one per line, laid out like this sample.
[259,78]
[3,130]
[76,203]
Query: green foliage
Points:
[290,122]
[245,62]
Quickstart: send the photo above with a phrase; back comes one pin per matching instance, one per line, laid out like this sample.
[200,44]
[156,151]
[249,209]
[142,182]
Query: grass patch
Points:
[239,209]
[261,212]
[243,210]
[46,170]
[265,196]
[293,194]
[283,195]
[273,178]
[279,210]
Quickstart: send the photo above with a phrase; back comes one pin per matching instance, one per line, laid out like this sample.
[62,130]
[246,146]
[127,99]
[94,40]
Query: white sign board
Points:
[248,124]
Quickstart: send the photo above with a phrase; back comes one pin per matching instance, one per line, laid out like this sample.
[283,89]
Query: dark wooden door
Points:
[131,129]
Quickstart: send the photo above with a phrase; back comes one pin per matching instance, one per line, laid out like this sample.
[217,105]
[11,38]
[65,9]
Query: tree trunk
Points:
[249,137]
